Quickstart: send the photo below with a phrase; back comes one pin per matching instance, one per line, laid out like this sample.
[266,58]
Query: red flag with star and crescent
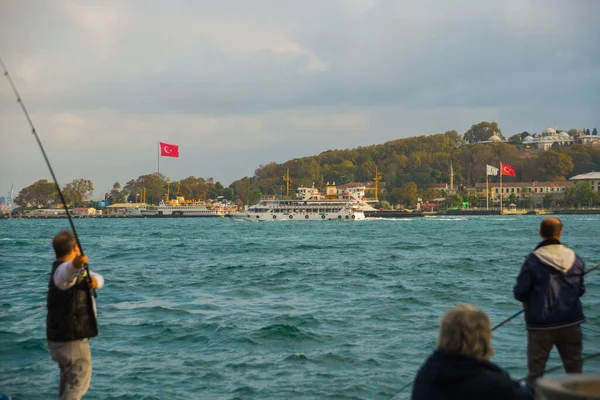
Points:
[508,170]
[169,150]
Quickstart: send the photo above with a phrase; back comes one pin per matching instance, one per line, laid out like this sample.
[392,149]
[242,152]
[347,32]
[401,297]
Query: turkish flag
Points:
[169,150]
[508,170]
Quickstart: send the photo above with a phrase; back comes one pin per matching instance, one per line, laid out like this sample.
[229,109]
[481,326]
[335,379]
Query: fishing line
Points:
[498,326]
[62,198]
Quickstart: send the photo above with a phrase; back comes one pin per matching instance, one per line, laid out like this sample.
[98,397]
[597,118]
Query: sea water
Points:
[219,309]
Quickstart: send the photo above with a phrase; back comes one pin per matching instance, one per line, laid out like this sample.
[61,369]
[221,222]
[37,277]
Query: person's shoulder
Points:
[499,385]
[531,259]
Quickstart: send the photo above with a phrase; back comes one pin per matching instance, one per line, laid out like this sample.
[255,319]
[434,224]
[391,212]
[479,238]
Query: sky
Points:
[240,83]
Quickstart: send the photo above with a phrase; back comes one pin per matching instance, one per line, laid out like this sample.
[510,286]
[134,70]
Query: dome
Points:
[528,139]
[564,135]
[494,139]
[549,131]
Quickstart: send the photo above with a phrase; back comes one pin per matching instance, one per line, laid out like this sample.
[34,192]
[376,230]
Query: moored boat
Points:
[180,207]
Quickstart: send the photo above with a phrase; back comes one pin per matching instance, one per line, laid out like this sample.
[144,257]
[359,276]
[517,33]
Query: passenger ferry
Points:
[347,204]
[180,207]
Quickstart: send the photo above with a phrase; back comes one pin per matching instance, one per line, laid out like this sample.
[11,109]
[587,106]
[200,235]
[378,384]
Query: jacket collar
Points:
[555,255]
[548,242]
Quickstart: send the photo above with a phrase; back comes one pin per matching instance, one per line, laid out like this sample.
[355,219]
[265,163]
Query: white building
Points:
[591,177]
[84,211]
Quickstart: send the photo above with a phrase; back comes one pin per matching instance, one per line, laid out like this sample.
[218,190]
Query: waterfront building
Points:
[592,177]
[84,211]
[522,189]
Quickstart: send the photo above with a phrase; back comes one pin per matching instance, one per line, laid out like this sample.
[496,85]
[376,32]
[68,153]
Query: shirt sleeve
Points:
[99,279]
[65,275]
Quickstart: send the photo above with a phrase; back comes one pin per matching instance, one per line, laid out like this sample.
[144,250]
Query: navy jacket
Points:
[447,376]
[550,284]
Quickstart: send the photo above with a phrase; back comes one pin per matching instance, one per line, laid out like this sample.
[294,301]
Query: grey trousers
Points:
[75,362]
[568,342]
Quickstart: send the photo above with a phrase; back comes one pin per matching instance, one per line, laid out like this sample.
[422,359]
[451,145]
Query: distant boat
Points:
[183,208]
[309,205]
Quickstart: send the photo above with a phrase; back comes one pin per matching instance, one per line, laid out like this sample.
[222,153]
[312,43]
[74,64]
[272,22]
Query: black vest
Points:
[71,314]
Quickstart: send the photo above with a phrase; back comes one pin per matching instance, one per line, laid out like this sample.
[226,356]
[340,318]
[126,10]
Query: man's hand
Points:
[94,283]
[523,305]
[80,261]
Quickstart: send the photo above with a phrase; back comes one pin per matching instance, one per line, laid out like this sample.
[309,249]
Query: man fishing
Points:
[549,286]
[71,319]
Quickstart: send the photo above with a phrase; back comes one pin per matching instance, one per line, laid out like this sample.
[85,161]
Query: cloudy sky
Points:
[239,83]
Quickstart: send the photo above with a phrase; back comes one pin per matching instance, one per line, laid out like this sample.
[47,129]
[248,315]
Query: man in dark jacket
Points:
[71,318]
[460,368]
[549,286]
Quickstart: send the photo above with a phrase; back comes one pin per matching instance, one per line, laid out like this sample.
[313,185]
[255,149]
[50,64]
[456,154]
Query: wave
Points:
[284,332]
[297,357]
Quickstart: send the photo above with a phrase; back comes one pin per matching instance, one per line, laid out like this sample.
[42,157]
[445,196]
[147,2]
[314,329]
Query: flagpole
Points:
[158,156]
[487,190]
[500,187]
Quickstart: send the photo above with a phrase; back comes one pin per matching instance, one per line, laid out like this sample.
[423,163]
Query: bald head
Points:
[64,243]
[551,228]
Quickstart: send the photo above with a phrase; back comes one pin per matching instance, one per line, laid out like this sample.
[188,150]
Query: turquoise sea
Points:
[218,309]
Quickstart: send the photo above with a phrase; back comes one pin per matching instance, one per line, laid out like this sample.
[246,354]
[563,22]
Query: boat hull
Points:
[273,216]
[186,213]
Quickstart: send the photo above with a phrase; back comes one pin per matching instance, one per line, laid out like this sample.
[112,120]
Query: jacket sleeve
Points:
[523,285]
[524,392]
[581,280]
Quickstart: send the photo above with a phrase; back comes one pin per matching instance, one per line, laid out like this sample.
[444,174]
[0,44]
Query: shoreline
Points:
[368,214]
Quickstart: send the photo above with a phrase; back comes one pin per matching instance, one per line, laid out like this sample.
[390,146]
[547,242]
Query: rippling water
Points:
[218,309]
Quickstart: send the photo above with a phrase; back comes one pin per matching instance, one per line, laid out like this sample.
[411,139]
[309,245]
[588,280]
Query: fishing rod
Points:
[588,357]
[498,326]
[60,194]
[522,310]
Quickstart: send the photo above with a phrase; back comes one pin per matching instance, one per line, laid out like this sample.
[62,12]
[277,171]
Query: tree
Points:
[71,196]
[255,196]
[384,204]
[454,200]
[524,134]
[78,192]
[115,193]
[549,200]
[551,166]
[482,131]
[366,172]
[455,137]
[39,194]
[516,139]
[155,186]
[228,194]
[582,160]
[472,199]
[408,194]
[580,193]
[595,132]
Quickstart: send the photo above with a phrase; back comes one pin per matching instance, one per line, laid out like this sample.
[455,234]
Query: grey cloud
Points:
[409,68]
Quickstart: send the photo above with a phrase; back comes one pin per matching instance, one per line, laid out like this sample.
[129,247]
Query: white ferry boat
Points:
[309,204]
[184,208]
